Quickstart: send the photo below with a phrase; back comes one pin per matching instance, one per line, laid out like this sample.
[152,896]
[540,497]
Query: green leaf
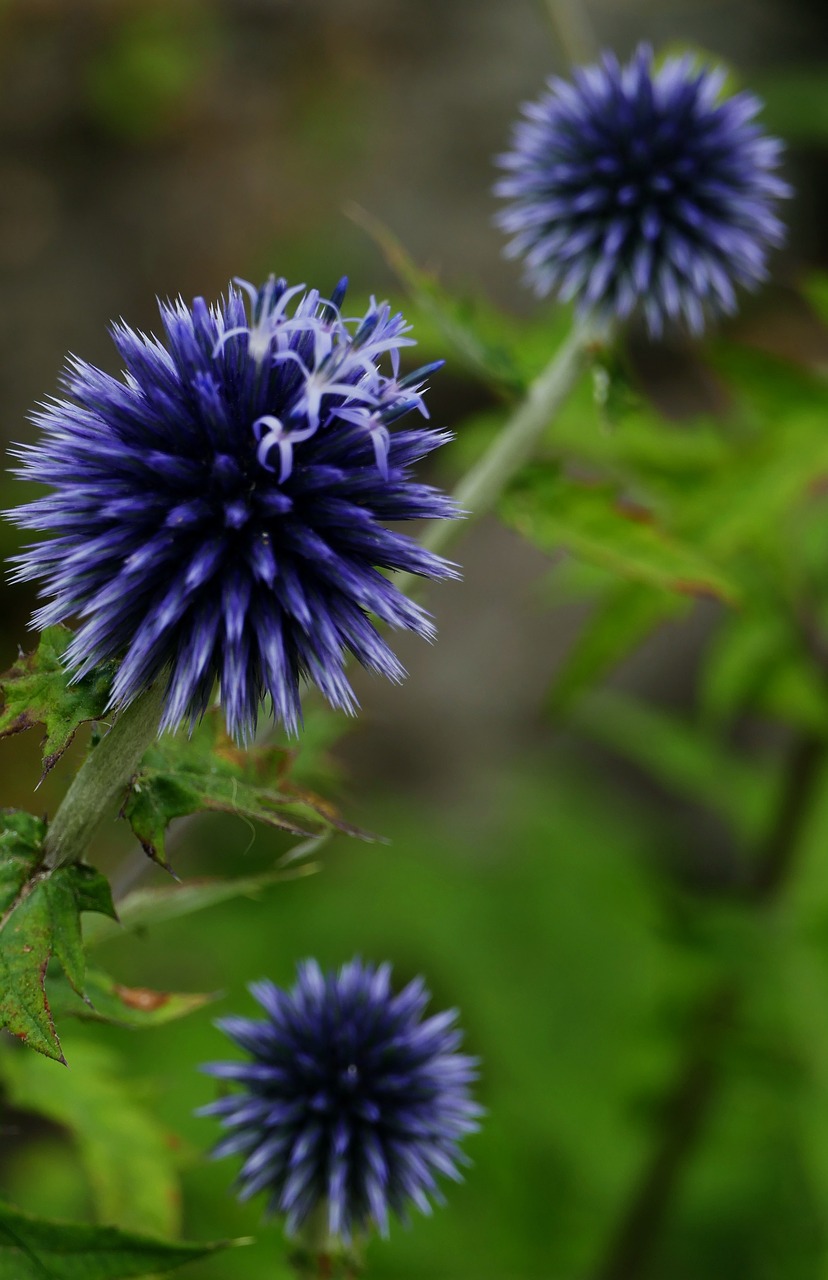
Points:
[33,1249]
[756,661]
[180,776]
[629,612]
[145,907]
[39,690]
[105,1000]
[39,918]
[557,512]
[126,1156]
[687,760]
[745,505]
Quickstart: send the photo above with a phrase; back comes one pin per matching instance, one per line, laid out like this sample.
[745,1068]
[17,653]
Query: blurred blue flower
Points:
[352,1099]
[221,512]
[641,188]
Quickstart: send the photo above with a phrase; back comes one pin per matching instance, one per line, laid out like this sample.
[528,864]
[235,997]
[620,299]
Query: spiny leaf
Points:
[39,918]
[128,1159]
[34,1249]
[180,776]
[105,1000]
[589,520]
[37,690]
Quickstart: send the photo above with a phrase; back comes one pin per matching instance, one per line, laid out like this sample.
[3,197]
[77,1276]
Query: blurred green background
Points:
[553,892]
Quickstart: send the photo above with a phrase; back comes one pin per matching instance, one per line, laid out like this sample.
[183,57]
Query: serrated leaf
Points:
[105,1000]
[34,1249]
[39,690]
[589,520]
[180,776]
[126,1156]
[39,919]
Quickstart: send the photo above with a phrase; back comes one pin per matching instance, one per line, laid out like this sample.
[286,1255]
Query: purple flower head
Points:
[635,188]
[221,513]
[351,1098]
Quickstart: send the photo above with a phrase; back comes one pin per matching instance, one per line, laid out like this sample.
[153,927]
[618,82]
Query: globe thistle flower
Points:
[635,188]
[351,1098]
[221,513]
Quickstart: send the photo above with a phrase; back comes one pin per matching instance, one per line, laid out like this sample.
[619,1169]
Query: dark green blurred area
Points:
[536,883]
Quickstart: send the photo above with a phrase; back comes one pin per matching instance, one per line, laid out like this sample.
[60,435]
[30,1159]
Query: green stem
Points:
[101,780]
[479,490]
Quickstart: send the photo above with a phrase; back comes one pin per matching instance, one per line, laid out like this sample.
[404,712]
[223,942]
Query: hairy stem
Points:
[101,780]
[514,445]
[694,1092]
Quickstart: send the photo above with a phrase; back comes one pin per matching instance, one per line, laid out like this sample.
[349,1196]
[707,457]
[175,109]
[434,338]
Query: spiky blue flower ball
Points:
[222,512]
[642,189]
[351,1098]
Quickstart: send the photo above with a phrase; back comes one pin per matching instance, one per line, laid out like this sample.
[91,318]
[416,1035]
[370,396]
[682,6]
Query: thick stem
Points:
[101,780]
[696,1087]
[514,445]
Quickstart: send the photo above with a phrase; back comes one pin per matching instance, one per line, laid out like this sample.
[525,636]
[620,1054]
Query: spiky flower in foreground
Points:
[222,512]
[641,188]
[351,1098]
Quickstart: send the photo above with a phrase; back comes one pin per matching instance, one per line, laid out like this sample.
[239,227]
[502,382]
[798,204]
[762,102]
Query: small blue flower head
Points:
[351,1100]
[641,189]
[221,513]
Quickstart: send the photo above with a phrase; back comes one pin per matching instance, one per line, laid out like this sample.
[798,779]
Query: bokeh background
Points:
[157,147]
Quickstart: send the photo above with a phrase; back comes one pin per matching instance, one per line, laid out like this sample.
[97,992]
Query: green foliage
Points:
[625,615]
[39,919]
[105,1000]
[688,760]
[126,1157]
[32,1249]
[181,775]
[591,519]
[143,908]
[39,690]
[758,661]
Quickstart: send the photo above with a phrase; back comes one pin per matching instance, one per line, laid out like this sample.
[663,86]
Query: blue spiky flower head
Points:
[222,512]
[351,1099]
[642,189]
